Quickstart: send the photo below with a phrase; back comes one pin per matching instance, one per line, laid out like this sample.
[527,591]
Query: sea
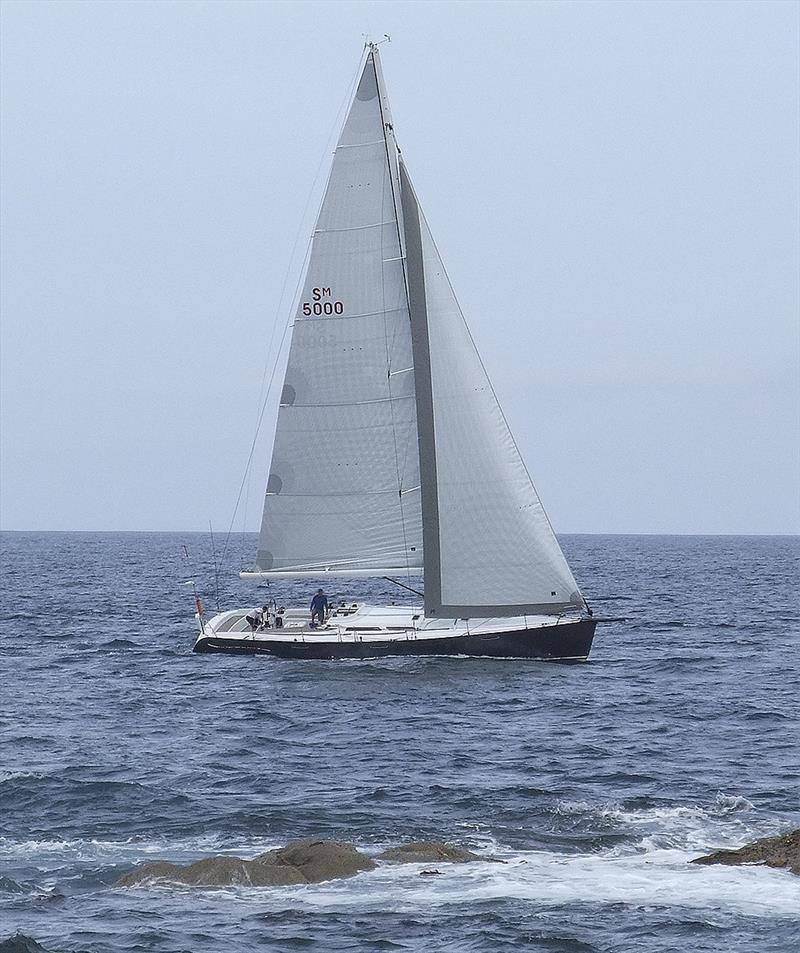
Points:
[595,784]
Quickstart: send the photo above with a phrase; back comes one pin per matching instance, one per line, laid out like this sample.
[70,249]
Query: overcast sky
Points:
[613,187]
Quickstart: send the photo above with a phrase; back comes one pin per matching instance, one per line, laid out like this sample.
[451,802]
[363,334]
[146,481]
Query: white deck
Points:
[357,622]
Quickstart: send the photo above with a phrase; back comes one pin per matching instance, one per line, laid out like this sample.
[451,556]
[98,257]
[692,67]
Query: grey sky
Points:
[613,187]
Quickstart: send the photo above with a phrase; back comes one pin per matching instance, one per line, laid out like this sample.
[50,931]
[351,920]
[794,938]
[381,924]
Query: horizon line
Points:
[205,532]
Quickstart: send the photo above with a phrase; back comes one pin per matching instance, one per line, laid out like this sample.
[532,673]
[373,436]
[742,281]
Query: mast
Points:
[392,153]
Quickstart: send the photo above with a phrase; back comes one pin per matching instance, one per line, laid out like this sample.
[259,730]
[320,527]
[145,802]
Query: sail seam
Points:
[344,571]
[355,403]
[346,317]
[352,228]
[341,563]
[358,145]
[328,494]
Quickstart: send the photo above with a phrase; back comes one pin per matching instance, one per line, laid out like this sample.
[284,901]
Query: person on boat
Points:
[258,618]
[319,606]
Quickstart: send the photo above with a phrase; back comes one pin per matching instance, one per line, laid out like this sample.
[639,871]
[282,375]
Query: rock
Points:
[274,875]
[780,851]
[19,943]
[319,860]
[300,862]
[428,852]
[216,871]
[7,885]
[147,873]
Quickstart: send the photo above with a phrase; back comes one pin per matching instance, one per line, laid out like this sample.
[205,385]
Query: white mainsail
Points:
[343,491]
[391,451]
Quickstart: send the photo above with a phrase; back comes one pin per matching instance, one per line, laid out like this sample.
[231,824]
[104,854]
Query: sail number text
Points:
[320,305]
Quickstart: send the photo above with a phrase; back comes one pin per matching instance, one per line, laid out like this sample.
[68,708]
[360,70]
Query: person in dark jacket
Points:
[319,606]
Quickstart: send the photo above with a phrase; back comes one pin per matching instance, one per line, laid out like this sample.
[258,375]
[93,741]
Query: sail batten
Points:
[353,228]
[318,572]
[358,145]
[359,403]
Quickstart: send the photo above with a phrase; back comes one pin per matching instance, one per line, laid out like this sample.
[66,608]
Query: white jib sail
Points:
[343,492]
[489,547]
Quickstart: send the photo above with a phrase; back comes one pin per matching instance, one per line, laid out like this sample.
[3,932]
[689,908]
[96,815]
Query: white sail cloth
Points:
[343,490]
[388,422]
[489,547]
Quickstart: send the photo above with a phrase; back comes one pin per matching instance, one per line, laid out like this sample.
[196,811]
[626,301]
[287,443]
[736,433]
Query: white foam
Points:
[650,871]
[722,806]
[6,775]
[729,820]
[130,850]
[662,879]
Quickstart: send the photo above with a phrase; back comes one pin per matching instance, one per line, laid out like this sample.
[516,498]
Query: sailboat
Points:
[392,457]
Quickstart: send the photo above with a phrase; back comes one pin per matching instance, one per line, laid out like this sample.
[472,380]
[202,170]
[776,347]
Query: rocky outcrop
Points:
[146,873]
[428,852]
[300,862]
[19,943]
[7,885]
[780,851]
[319,860]
[215,872]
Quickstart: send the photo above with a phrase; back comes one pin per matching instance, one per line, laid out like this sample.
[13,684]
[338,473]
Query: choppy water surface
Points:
[595,783]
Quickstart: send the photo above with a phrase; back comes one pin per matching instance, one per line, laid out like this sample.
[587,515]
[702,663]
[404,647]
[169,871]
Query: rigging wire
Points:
[404,586]
[264,395]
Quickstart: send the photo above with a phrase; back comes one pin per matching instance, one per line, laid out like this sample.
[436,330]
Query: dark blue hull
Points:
[567,642]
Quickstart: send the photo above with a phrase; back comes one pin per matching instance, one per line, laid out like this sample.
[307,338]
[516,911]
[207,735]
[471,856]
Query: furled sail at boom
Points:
[391,451]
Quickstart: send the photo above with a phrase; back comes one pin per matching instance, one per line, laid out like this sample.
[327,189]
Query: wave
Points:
[132,849]
[17,775]
[729,820]
[663,880]
[652,876]
[722,805]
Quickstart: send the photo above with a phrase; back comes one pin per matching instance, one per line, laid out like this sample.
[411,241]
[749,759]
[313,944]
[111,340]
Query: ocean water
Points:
[595,783]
